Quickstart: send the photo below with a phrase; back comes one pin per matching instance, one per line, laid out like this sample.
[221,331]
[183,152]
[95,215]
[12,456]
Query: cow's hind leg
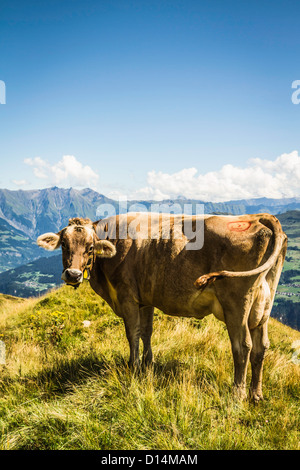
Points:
[241,345]
[258,321]
[261,311]
[260,344]
[146,320]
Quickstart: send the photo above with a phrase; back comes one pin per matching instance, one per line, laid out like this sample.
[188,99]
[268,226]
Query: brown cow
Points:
[239,266]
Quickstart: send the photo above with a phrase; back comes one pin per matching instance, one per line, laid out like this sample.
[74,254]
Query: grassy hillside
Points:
[66,385]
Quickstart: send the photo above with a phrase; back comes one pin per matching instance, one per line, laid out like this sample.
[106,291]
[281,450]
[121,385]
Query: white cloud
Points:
[261,178]
[67,172]
[20,182]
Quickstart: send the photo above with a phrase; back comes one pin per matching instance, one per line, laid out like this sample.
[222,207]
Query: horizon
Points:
[155,201]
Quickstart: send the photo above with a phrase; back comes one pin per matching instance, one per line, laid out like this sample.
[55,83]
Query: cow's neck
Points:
[101,284]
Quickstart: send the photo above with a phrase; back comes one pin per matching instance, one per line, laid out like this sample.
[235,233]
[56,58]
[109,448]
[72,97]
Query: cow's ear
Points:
[104,249]
[49,241]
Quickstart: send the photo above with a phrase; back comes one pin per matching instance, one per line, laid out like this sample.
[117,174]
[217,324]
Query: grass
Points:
[67,386]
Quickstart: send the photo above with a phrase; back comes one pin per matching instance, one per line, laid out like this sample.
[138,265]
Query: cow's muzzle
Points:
[72,277]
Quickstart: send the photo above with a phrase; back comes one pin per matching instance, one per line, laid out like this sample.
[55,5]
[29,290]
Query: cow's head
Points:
[80,245]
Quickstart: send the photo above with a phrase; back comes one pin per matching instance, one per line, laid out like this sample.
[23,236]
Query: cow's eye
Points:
[63,244]
[91,249]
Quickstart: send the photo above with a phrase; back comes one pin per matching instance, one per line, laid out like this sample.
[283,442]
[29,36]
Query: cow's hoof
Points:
[256,397]
[239,392]
[134,367]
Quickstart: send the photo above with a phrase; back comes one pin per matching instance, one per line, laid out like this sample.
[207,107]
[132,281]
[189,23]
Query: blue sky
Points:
[151,98]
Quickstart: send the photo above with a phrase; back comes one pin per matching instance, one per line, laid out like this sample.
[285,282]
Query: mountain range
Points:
[37,211]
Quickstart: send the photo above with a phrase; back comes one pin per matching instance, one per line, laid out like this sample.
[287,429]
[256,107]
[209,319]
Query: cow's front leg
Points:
[146,319]
[131,317]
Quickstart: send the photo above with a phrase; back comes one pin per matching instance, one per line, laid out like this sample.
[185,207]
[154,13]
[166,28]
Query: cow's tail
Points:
[279,235]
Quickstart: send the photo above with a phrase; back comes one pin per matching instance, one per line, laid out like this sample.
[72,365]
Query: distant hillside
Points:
[37,211]
[290,221]
[287,302]
[32,279]
[16,248]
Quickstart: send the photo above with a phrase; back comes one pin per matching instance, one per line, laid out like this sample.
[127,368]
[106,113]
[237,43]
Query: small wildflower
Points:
[86,323]
[295,344]
[296,357]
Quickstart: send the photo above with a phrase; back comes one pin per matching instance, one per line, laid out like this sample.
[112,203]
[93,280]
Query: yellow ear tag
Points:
[86,274]
[100,252]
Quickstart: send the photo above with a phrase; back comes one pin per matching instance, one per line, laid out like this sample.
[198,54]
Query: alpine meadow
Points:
[66,383]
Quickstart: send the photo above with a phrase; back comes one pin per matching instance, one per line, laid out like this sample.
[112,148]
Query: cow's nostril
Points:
[72,275]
